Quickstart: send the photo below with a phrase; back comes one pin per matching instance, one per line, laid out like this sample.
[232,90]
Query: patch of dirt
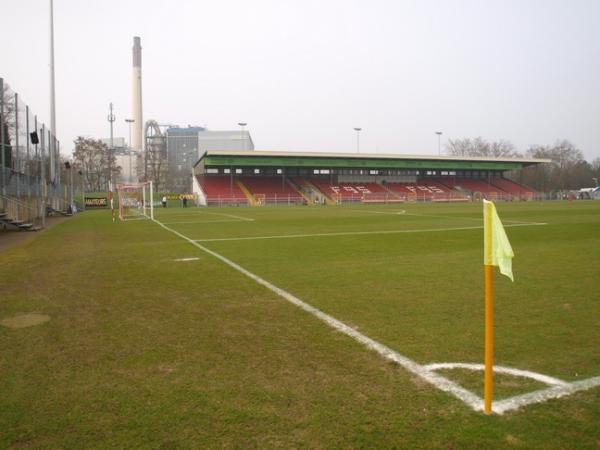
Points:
[512,440]
[24,320]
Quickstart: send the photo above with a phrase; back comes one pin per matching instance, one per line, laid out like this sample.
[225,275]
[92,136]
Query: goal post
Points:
[136,201]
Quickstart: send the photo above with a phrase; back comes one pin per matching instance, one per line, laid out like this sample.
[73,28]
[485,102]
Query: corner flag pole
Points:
[496,252]
[489,310]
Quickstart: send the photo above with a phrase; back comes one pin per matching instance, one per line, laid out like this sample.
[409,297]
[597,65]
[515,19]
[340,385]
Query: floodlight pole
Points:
[130,121]
[52,84]
[439,134]
[71,183]
[2,150]
[242,125]
[111,118]
[358,130]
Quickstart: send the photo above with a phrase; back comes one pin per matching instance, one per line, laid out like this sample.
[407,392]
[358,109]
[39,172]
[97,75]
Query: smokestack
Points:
[137,137]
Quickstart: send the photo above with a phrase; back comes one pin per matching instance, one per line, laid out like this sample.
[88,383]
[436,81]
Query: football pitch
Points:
[309,326]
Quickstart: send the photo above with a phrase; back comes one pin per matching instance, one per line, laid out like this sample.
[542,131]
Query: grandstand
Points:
[222,190]
[261,177]
[271,189]
[512,188]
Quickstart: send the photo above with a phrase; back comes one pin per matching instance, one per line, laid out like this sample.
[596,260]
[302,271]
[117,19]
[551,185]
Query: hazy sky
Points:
[304,73]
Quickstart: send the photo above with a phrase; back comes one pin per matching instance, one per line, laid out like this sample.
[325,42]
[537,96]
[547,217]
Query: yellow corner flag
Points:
[497,249]
[497,252]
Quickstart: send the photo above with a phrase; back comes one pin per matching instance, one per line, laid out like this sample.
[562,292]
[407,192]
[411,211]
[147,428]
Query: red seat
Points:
[476,186]
[219,189]
[273,189]
[513,188]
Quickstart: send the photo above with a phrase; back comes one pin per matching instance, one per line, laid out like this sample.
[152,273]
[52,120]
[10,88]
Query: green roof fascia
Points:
[349,163]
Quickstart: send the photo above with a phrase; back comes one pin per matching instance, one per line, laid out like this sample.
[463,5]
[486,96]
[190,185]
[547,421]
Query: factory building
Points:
[185,145]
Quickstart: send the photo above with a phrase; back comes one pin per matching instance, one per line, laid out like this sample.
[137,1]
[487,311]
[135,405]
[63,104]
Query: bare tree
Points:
[480,147]
[7,121]
[568,169]
[96,163]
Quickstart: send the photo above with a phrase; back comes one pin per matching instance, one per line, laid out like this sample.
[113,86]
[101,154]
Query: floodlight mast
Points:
[358,130]
[242,125]
[439,134]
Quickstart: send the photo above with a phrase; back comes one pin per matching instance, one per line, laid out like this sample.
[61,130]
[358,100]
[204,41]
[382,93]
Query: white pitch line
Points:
[204,221]
[543,395]
[500,369]
[438,381]
[186,259]
[247,219]
[390,212]
[355,233]
[403,212]
[422,371]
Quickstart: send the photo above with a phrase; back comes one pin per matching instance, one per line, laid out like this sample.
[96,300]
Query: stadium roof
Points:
[361,160]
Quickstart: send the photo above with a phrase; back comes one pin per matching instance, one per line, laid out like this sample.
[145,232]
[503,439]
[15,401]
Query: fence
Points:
[30,175]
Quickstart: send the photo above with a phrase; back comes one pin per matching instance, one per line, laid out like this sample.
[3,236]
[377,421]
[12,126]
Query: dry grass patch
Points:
[24,320]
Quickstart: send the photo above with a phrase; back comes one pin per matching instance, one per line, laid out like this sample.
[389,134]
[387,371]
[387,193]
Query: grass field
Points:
[153,342]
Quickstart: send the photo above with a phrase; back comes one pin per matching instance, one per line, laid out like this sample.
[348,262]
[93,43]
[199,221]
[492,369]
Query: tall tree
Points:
[568,169]
[96,163]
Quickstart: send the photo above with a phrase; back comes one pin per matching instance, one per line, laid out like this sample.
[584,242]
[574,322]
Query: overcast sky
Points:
[304,73]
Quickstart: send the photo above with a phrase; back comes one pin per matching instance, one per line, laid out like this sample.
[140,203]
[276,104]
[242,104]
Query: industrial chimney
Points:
[136,140]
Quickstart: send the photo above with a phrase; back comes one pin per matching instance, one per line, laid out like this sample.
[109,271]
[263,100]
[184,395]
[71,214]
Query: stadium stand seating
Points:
[514,189]
[475,186]
[367,192]
[425,189]
[220,190]
[272,190]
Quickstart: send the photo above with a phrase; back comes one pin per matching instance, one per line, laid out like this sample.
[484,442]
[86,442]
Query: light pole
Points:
[111,118]
[439,133]
[358,130]
[242,125]
[69,167]
[130,121]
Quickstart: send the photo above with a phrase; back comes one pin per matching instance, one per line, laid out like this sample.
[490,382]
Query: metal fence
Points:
[30,175]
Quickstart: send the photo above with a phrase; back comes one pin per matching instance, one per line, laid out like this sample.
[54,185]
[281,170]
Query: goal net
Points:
[135,201]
